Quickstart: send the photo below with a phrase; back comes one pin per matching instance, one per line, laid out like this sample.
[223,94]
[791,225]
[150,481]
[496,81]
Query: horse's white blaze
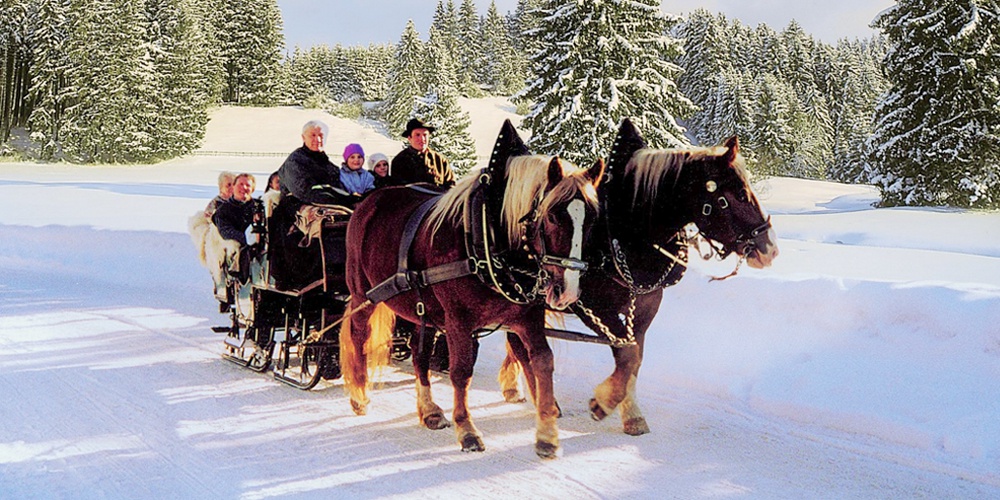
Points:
[577,213]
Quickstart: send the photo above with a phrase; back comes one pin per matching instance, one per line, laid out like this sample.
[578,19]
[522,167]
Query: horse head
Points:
[552,217]
[727,210]
[566,217]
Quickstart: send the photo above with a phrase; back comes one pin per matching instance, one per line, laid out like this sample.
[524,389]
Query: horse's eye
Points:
[711,186]
[742,196]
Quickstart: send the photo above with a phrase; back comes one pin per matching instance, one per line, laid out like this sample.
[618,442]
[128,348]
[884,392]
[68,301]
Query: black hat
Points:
[628,141]
[414,124]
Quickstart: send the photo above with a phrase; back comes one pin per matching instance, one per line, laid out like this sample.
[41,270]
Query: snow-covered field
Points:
[864,364]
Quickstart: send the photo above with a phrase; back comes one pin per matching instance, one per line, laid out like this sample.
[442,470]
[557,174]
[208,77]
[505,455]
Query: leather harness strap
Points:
[405,280]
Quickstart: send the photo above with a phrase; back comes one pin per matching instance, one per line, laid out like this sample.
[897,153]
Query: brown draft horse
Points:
[565,208]
[645,205]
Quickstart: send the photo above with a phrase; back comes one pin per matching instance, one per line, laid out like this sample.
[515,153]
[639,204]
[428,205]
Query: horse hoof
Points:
[636,427]
[472,443]
[513,396]
[546,450]
[359,409]
[596,412]
[436,421]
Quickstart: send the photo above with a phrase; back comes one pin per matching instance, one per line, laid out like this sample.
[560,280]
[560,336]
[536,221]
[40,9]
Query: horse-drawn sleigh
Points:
[526,235]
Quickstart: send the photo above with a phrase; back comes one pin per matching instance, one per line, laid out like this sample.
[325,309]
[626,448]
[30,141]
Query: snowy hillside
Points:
[864,364]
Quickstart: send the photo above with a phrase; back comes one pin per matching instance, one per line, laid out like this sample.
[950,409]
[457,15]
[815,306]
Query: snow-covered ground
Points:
[864,364]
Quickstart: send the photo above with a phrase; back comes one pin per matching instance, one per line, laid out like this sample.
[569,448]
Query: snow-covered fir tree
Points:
[705,58]
[501,69]
[251,45]
[445,21]
[936,138]
[468,50]
[732,106]
[370,66]
[407,80]
[855,82]
[184,76]
[772,133]
[603,61]
[112,77]
[818,111]
[17,21]
[50,91]
[439,107]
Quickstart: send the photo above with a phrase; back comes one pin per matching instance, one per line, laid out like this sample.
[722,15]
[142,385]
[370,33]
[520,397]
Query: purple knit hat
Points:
[351,149]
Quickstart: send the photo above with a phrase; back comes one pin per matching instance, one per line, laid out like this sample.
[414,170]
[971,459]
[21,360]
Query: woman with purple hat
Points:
[355,179]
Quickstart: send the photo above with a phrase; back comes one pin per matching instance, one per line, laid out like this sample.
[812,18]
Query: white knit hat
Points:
[375,158]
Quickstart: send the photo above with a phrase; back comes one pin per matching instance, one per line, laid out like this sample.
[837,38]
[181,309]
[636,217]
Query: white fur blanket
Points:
[213,249]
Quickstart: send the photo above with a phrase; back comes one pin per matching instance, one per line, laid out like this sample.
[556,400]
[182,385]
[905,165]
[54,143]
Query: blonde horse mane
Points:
[650,166]
[527,177]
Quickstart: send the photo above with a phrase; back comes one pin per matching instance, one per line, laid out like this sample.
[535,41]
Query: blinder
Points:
[534,231]
[745,241]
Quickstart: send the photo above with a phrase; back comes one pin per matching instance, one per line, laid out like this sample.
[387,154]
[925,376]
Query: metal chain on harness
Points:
[613,339]
[621,262]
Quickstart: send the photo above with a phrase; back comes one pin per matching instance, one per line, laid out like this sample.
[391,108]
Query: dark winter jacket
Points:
[411,166]
[382,181]
[233,217]
[311,178]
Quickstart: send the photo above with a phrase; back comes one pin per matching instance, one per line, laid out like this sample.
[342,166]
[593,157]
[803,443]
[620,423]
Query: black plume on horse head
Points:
[627,142]
[508,145]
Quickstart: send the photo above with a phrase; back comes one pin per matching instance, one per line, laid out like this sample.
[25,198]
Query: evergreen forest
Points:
[914,110]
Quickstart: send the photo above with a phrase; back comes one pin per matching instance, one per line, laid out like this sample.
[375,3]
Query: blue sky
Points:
[360,22]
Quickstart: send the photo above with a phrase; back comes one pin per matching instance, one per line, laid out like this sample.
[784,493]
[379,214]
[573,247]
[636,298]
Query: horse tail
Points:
[352,368]
[510,372]
[375,347]
[379,344]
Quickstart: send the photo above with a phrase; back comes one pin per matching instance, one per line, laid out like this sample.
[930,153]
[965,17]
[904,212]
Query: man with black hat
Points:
[417,162]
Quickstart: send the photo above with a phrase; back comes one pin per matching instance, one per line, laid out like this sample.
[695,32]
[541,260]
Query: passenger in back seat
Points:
[234,216]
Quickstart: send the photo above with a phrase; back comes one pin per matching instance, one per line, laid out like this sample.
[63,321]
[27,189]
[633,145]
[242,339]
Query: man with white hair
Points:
[307,173]
[307,178]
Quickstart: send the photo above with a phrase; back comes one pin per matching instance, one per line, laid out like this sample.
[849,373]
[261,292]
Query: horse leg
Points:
[620,387]
[510,371]
[541,363]
[461,360]
[547,411]
[517,355]
[633,423]
[610,393]
[430,414]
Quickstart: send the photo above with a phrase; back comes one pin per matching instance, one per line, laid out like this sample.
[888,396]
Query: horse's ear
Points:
[595,174]
[733,146]
[555,172]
